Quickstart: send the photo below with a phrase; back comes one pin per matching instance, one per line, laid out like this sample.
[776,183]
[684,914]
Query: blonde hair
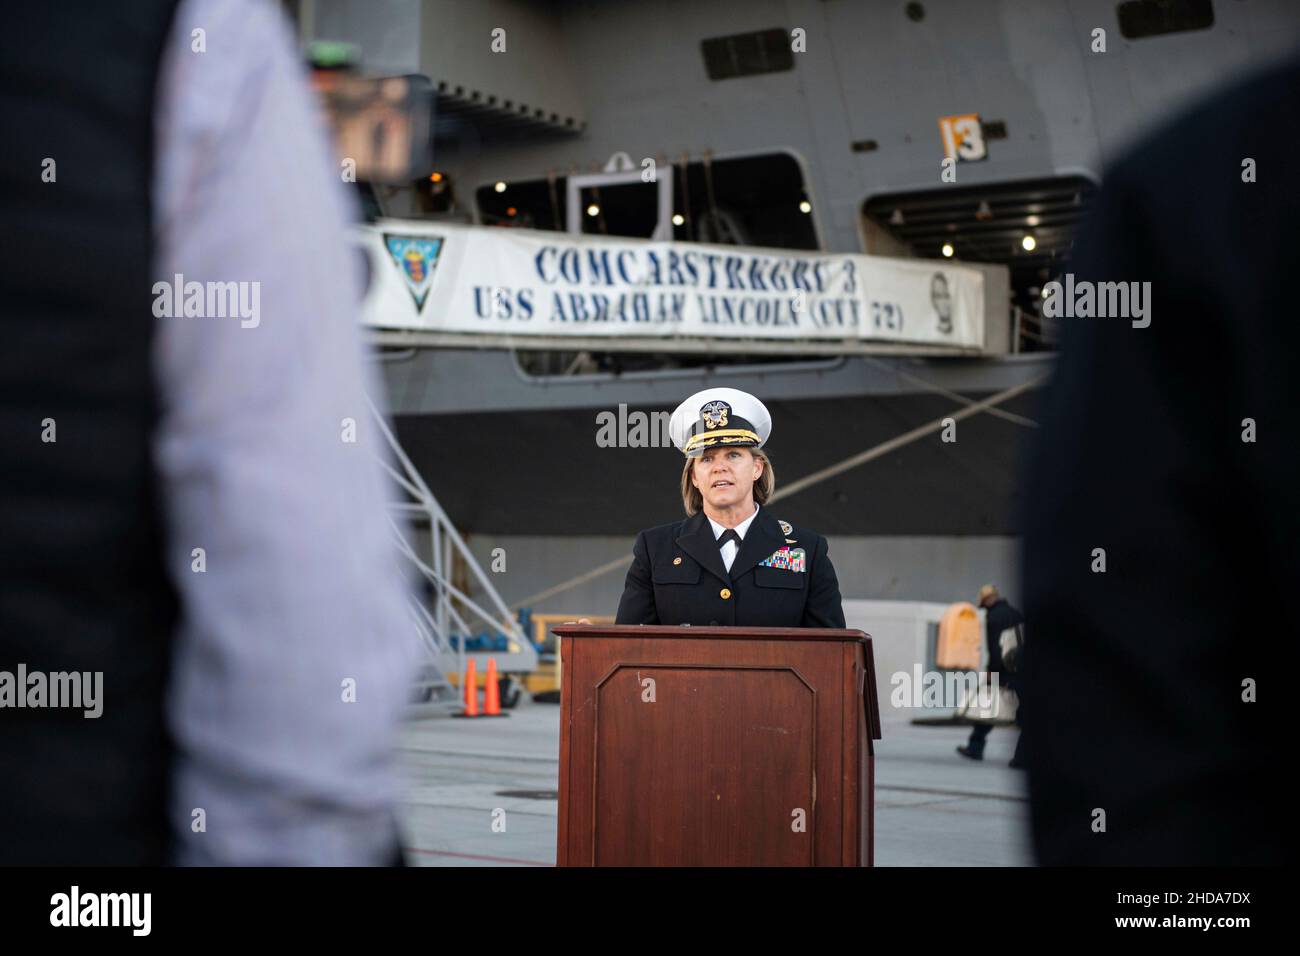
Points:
[693,500]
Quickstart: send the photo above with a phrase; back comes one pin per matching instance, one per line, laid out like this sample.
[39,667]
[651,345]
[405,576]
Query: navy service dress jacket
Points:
[781,577]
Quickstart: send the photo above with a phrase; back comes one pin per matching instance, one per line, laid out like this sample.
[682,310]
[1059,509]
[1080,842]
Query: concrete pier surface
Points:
[933,807]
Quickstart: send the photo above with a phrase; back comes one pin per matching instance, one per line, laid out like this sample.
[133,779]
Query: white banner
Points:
[455,278]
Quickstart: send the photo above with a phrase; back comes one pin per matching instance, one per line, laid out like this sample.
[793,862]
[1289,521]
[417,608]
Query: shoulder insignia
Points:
[785,527]
[791,541]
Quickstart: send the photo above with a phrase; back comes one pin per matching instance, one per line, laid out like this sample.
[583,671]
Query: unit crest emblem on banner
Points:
[416,257]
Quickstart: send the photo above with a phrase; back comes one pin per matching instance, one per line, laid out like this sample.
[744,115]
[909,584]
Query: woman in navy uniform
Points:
[732,561]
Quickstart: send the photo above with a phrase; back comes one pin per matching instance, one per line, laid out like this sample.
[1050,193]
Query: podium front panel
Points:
[698,751]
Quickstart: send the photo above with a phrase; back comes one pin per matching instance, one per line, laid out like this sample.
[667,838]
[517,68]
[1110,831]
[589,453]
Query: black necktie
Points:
[728,535]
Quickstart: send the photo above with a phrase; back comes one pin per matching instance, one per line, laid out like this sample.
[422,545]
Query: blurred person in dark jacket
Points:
[1163,503]
[180,512]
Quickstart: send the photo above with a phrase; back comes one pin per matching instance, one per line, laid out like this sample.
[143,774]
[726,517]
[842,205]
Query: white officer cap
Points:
[719,416]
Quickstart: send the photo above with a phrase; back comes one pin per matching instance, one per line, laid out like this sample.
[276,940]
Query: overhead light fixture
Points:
[678,219]
[593,210]
[947,250]
[1032,221]
[805,206]
[500,187]
[1028,243]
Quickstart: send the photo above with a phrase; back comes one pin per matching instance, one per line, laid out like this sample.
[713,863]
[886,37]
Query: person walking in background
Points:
[999,615]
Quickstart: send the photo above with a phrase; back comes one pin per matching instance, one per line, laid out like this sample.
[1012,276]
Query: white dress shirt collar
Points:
[740,528]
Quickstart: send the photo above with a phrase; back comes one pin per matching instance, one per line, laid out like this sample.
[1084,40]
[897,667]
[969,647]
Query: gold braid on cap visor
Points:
[721,436]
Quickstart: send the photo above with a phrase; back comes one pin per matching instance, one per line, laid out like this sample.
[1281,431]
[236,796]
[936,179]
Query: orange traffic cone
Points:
[471,689]
[492,692]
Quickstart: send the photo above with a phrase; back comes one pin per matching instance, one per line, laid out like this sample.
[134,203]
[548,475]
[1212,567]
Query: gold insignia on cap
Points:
[785,527]
[729,437]
[715,414]
[677,560]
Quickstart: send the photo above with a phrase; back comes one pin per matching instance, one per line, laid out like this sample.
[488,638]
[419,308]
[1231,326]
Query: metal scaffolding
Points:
[443,617]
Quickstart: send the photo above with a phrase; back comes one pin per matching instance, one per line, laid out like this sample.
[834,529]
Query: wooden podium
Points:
[716,746]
